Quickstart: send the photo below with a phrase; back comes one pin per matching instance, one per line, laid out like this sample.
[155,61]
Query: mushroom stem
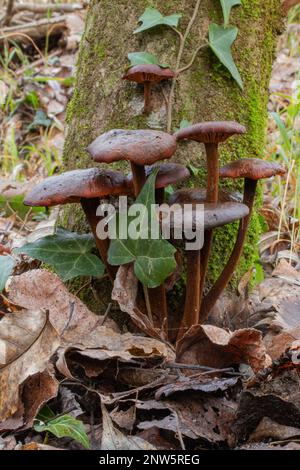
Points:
[147,97]
[138,176]
[89,207]
[211,196]
[192,297]
[225,277]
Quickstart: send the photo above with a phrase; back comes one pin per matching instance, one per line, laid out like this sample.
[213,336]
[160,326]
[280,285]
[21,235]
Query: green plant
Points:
[60,426]
[220,39]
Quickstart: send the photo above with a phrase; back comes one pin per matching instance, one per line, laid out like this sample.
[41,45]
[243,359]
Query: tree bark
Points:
[205,91]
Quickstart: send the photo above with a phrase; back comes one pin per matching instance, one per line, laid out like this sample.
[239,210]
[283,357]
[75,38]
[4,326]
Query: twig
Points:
[9,12]
[207,370]
[148,305]
[106,314]
[51,7]
[183,39]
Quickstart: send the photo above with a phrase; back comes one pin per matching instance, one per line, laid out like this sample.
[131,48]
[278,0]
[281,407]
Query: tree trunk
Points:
[103,101]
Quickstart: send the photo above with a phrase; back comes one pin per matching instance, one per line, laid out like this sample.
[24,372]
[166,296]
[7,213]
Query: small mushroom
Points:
[211,134]
[169,173]
[140,147]
[148,75]
[86,187]
[215,215]
[252,170]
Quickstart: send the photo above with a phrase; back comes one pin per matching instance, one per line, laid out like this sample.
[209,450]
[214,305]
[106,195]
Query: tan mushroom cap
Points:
[73,185]
[142,147]
[211,131]
[251,168]
[169,173]
[215,215]
[148,73]
[198,196]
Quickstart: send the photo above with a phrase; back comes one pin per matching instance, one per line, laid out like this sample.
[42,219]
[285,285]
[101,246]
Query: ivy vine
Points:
[219,39]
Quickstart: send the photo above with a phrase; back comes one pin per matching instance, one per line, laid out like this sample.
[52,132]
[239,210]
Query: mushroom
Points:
[211,134]
[140,147]
[252,170]
[148,75]
[86,187]
[215,215]
[169,173]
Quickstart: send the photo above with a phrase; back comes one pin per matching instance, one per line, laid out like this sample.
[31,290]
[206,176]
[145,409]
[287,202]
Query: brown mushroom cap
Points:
[148,73]
[73,185]
[198,196]
[251,168]
[210,132]
[215,215]
[169,173]
[142,147]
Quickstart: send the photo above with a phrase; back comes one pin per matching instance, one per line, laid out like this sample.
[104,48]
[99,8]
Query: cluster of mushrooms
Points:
[144,149]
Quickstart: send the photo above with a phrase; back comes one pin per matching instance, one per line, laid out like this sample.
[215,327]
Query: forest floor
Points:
[71,379]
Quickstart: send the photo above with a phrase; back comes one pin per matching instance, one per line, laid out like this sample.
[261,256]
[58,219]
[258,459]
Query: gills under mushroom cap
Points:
[210,132]
[148,73]
[71,186]
[251,168]
[142,147]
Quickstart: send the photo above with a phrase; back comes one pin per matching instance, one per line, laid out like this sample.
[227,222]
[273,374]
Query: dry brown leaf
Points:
[38,446]
[29,359]
[199,384]
[68,315]
[125,293]
[208,419]
[214,347]
[113,439]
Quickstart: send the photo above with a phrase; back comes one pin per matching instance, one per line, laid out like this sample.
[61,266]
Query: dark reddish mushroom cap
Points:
[148,73]
[210,132]
[73,185]
[251,168]
[142,147]
[169,173]
[215,215]
[198,196]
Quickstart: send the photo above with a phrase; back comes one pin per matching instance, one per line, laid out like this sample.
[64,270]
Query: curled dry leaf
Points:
[125,293]
[113,439]
[67,314]
[27,343]
[103,343]
[214,347]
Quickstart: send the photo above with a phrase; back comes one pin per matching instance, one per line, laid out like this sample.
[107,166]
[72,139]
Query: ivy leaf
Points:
[138,58]
[220,41]
[68,253]
[6,268]
[152,17]
[153,258]
[64,426]
[226,7]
